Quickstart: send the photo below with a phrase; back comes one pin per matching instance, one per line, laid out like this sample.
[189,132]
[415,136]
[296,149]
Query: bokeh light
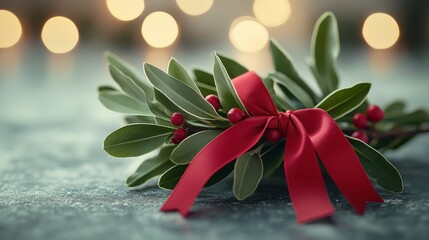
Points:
[60,35]
[125,10]
[160,30]
[194,7]
[10,29]
[248,35]
[272,13]
[380,31]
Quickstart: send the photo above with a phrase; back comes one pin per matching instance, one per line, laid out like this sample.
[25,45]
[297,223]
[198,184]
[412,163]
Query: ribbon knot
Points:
[283,119]
[311,134]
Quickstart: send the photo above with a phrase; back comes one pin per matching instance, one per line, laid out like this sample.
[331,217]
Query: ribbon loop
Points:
[307,132]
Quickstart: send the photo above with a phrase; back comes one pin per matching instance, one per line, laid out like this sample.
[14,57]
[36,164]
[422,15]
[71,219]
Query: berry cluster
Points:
[234,116]
[374,114]
[177,120]
[179,134]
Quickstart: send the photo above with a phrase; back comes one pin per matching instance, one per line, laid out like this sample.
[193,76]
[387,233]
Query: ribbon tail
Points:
[226,147]
[340,161]
[304,179]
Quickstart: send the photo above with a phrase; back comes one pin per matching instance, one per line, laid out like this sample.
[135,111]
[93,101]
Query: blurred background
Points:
[57,183]
[51,52]
[46,44]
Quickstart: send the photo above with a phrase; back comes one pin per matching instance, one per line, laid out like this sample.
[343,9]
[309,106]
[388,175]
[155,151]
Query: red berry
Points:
[235,115]
[360,135]
[374,113]
[179,135]
[214,101]
[173,140]
[272,135]
[176,119]
[360,121]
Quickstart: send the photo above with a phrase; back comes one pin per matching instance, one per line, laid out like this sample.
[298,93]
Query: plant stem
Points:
[373,133]
[397,133]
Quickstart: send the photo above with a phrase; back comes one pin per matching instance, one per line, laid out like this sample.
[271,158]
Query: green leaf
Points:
[132,74]
[181,94]
[417,117]
[283,63]
[349,116]
[282,98]
[226,91]
[148,119]
[269,83]
[205,82]
[106,88]
[188,148]
[233,68]
[377,166]
[399,142]
[204,77]
[343,101]
[126,84]
[119,102]
[171,177]
[152,167]
[140,119]
[391,143]
[138,84]
[206,89]
[171,107]
[272,157]
[176,70]
[325,47]
[136,139]
[293,89]
[393,108]
[248,172]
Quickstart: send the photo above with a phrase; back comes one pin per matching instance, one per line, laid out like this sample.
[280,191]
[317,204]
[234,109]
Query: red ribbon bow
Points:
[307,132]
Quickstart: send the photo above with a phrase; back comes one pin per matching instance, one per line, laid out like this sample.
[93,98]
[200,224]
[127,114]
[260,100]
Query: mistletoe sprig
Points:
[177,114]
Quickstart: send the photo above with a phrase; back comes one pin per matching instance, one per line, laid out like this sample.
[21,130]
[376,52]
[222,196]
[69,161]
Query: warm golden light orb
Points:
[380,31]
[272,13]
[160,30]
[248,35]
[125,10]
[10,29]
[60,35]
[194,7]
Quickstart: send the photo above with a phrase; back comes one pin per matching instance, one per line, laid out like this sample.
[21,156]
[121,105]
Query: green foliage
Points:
[226,91]
[283,63]
[152,167]
[377,166]
[180,94]
[248,172]
[148,102]
[122,103]
[188,148]
[205,82]
[233,68]
[272,157]
[131,73]
[342,101]
[171,177]
[293,89]
[175,69]
[325,48]
[136,139]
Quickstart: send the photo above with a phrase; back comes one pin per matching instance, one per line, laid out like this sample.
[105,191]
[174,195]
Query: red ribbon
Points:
[307,132]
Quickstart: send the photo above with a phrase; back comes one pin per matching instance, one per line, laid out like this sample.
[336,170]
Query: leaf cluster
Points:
[148,101]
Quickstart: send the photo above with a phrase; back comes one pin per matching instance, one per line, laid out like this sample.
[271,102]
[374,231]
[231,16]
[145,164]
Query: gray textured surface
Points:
[56,183]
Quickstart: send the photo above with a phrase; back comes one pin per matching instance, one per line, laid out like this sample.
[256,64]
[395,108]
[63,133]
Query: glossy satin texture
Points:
[308,132]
